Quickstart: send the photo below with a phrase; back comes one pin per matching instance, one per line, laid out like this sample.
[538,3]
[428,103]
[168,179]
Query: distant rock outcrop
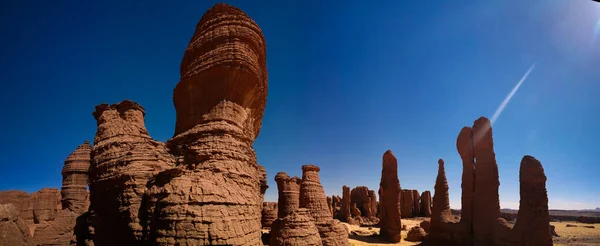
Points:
[416,205]
[13,230]
[345,213]
[407,203]
[361,196]
[389,199]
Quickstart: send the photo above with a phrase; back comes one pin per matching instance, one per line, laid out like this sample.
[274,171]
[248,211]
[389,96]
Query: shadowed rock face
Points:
[373,205]
[269,213]
[289,194]
[296,229]
[218,186]
[312,197]
[46,203]
[13,230]
[486,205]
[75,178]
[330,204]
[360,196]
[464,146]
[123,159]
[336,206]
[407,203]
[416,205]
[389,199]
[426,204]
[344,214]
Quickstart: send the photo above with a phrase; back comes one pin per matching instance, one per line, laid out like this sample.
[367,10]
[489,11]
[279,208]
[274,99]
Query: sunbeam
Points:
[511,94]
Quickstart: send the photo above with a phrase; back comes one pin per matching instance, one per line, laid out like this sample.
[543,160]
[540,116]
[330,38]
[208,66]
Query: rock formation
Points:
[269,213]
[75,179]
[407,203]
[389,199]
[415,234]
[345,213]
[296,229]
[480,221]
[355,211]
[123,159]
[13,230]
[330,204]
[336,205]
[416,205]
[289,194]
[312,197]
[46,204]
[218,186]
[425,203]
[486,206]
[373,205]
[360,196]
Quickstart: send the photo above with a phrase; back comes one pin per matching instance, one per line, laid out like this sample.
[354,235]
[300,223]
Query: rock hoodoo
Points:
[389,199]
[75,179]
[480,221]
[312,197]
[289,194]
[124,158]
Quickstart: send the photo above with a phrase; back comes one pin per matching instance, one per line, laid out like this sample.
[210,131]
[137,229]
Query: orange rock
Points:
[389,199]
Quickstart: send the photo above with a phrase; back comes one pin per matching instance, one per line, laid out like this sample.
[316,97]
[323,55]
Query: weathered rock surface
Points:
[345,213]
[415,234]
[22,201]
[416,205]
[355,211]
[58,231]
[296,229]
[46,204]
[425,203]
[486,205]
[407,203]
[373,206]
[312,197]
[269,213]
[75,179]
[481,222]
[123,159]
[289,194]
[219,103]
[13,230]
[389,199]
[425,225]
[330,204]
[360,196]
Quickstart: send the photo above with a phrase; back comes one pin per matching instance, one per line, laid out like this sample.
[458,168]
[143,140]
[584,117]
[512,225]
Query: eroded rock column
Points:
[464,146]
[289,194]
[75,178]
[124,158]
[215,196]
[389,199]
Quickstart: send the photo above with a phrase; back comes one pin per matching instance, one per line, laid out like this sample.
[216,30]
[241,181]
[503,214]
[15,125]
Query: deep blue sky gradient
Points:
[347,81]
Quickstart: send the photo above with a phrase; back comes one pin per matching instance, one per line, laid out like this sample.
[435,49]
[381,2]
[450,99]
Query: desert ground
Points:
[576,234]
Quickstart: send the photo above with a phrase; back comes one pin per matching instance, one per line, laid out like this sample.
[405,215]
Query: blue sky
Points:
[347,81]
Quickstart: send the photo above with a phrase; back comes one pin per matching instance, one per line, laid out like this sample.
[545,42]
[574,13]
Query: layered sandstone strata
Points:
[75,179]
[312,197]
[289,194]
[296,229]
[389,199]
[124,158]
[214,195]
[269,213]
[13,230]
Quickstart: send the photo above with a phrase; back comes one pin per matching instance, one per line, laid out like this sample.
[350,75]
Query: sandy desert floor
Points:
[578,235]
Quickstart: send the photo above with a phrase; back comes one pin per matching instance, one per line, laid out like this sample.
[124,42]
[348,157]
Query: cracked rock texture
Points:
[123,159]
[389,199]
[13,230]
[289,194]
[214,195]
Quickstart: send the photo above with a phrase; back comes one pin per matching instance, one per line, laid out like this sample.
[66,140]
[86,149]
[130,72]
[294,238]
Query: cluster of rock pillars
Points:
[205,187]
